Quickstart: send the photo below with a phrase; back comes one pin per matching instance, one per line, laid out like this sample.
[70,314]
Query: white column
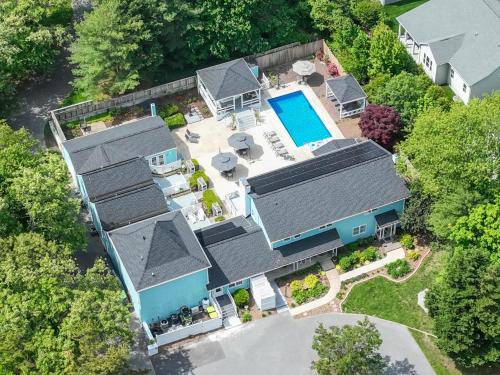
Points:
[399,31]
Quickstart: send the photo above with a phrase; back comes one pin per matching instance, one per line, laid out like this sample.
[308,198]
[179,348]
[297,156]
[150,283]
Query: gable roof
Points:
[143,137]
[464,33]
[334,145]
[117,178]
[158,250]
[245,252]
[330,187]
[346,88]
[131,206]
[228,79]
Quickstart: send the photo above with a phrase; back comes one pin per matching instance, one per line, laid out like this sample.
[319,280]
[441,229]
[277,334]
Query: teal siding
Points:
[169,156]
[345,226]
[255,216]
[245,285]
[165,299]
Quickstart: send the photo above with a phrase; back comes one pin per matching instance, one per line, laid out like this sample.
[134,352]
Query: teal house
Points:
[290,218]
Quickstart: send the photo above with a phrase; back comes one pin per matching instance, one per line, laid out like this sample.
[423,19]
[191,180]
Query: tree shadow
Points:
[173,362]
[403,367]
[255,152]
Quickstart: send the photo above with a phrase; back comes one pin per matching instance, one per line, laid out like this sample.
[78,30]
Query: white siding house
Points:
[457,42]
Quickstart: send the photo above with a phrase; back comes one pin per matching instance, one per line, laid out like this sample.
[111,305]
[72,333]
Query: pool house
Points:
[347,95]
[231,86]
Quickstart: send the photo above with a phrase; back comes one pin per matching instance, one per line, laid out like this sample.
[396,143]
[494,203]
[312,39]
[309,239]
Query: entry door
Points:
[237,102]
[218,292]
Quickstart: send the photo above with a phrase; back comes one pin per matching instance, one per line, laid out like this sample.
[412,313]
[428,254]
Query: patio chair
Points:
[277,145]
[273,139]
[269,134]
[191,139]
[281,151]
[191,134]
[288,157]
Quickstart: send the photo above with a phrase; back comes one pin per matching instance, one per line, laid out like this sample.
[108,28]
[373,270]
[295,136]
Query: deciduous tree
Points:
[379,123]
[387,54]
[348,350]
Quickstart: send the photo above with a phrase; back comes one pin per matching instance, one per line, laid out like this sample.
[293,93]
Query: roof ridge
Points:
[119,195]
[159,126]
[110,166]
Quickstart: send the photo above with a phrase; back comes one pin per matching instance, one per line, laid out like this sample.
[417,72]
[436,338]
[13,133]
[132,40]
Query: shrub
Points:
[332,69]
[352,246]
[295,286]
[413,255]
[175,121]
[380,123]
[192,180]
[196,164]
[209,197]
[358,256]
[398,268]
[304,295]
[319,54]
[219,219]
[369,254]
[348,262]
[310,281]
[241,297]
[168,110]
[407,241]
[246,317]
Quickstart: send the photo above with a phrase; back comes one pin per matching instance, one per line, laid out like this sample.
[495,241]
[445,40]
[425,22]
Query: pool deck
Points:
[347,126]
[261,159]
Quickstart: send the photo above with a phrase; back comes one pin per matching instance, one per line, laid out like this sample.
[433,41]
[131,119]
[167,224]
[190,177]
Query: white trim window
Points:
[356,231]
[154,161]
[237,283]
[452,73]
[464,88]
[161,159]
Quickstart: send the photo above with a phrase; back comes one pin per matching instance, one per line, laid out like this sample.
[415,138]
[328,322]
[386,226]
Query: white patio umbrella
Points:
[304,68]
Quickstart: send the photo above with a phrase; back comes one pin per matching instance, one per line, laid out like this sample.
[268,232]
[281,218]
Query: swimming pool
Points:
[299,118]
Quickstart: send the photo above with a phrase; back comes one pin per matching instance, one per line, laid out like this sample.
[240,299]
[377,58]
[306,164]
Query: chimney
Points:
[153,110]
[244,198]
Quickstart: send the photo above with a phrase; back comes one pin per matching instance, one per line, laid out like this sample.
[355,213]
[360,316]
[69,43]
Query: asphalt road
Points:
[280,345]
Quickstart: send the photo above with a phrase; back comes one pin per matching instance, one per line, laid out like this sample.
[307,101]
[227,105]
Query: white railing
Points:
[266,83]
[351,113]
[183,332]
[166,168]
[171,190]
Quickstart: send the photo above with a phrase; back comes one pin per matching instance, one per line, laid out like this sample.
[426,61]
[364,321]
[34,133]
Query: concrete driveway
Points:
[281,345]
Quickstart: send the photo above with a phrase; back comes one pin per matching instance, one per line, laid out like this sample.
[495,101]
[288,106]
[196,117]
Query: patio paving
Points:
[348,126]
[261,158]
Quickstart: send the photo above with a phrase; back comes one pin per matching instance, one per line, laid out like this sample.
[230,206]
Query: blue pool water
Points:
[299,118]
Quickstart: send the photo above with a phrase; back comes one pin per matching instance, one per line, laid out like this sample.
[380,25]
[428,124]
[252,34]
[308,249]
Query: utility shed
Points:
[263,293]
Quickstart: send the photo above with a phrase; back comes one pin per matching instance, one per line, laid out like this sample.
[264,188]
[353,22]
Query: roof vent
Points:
[144,238]
[152,273]
[476,33]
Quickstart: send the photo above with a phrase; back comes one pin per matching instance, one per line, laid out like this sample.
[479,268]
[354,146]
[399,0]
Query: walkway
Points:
[335,280]
[279,345]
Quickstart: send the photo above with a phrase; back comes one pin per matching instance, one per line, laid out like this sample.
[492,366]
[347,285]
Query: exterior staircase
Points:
[228,309]
[245,119]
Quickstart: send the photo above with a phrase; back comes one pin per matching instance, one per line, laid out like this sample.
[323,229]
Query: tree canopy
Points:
[380,123]
[348,350]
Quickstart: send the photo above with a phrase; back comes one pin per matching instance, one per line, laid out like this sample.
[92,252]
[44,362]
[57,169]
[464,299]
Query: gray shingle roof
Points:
[248,253]
[334,145]
[142,137]
[351,188]
[388,217]
[117,178]
[131,206]
[158,250]
[228,79]
[464,33]
[346,88]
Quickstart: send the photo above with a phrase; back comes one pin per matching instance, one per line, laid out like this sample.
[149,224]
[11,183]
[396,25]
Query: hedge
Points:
[176,121]
[192,180]
[168,110]
[241,297]
[208,198]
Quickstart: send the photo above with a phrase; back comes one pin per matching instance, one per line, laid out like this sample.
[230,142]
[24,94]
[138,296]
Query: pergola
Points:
[228,87]
[347,95]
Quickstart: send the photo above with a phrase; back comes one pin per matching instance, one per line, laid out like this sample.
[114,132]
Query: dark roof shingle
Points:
[117,178]
[345,187]
[143,137]
[158,250]
[346,88]
[247,253]
[131,206]
[228,79]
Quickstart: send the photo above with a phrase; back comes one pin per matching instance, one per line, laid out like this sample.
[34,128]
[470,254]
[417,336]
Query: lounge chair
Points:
[269,134]
[191,134]
[277,145]
[281,151]
[191,139]
[273,139]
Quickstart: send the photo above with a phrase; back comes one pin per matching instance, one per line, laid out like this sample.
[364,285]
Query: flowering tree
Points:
[332,69]
[380,123]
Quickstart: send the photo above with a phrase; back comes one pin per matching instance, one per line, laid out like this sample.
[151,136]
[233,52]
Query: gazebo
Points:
[228,87]
[347,95]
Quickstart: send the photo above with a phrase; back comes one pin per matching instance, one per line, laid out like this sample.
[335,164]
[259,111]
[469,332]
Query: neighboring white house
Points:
[457,42]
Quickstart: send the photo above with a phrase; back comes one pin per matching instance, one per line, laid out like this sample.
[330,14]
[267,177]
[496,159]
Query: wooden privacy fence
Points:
[285,54]
[273,57]
[84,109]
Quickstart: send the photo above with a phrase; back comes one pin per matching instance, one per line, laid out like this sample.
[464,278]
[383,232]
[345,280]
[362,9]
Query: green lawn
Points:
[396,301]
[441,364]
[397,9]
[74,97]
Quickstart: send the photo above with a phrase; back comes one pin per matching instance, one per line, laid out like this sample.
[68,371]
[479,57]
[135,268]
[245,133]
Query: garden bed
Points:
[304,285]
[184,100]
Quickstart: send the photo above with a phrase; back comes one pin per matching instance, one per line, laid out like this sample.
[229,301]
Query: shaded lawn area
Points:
[396,301]
[441,364]
[397,9]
